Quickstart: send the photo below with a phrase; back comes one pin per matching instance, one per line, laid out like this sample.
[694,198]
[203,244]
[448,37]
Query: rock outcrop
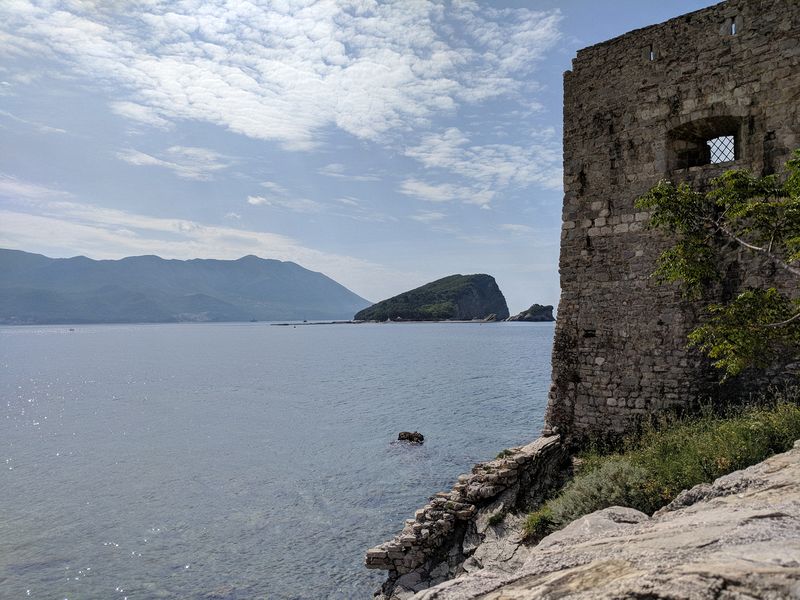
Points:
[457,297]
[738,538]
[535,314]
[460,530]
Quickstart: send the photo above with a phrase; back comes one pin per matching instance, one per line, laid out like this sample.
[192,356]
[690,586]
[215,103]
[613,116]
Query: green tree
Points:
[758,214]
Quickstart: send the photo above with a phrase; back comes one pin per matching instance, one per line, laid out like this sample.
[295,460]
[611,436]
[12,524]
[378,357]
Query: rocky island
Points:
[537,313]
[456,297]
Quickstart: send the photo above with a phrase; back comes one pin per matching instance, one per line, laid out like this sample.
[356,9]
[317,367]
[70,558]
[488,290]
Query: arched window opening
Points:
[711,141]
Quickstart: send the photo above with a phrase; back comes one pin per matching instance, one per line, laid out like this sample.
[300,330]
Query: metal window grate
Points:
[723,149]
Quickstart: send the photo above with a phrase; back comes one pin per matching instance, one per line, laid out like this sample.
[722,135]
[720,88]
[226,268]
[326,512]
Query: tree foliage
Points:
[758,214]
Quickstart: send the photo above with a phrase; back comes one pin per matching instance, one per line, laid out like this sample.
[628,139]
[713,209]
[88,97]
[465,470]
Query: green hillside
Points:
[149,289]
[458,297]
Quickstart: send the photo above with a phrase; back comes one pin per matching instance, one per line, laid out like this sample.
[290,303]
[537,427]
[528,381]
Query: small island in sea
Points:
[537,313]
[456,297]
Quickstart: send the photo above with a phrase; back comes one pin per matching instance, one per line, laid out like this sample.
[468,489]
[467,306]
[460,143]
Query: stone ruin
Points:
[448,530]
[684,100]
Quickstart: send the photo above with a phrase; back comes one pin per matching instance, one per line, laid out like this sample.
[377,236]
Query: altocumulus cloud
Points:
[288,71]
[300,205]
[493,165]
[185,161]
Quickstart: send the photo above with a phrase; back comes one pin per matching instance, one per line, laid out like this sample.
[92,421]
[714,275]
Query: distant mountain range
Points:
[35,289]
[456,297]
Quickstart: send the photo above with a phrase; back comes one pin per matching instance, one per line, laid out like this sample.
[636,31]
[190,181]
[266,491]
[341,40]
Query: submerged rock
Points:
[415,437]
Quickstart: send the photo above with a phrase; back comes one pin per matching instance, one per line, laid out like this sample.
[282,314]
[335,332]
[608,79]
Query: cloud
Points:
[141,113]
[493,165]
[338,171]
[39,127]
[428,216]
[274,187]
[300,205]
[185,161]
[234,216]
[11,187]
[445,192]
[359,210]
[287,72]
[516,228]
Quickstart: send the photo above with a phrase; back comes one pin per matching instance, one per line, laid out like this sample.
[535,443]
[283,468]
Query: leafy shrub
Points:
[539,523]
[615,482]
[496,518]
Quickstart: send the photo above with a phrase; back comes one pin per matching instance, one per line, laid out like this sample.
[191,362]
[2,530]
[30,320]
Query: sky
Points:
[385,144]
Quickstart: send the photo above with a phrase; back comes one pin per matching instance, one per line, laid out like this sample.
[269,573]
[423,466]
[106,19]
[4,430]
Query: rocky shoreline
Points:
[734,539]
[457,531]
[741,534]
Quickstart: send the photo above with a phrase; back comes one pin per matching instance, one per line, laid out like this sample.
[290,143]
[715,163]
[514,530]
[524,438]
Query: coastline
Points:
[404,322]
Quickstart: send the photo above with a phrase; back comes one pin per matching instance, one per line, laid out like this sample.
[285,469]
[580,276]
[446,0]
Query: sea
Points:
[242,461]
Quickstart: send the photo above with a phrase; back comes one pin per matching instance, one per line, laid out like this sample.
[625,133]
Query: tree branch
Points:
[778,261]
[786,322]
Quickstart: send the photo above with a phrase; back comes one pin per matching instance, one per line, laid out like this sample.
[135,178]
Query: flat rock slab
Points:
[735,539]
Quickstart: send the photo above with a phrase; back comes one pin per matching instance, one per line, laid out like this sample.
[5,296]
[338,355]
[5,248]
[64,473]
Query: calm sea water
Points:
[241,461]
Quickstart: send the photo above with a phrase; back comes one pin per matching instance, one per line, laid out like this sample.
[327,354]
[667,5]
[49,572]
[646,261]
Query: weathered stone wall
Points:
[446,532]
[637,109]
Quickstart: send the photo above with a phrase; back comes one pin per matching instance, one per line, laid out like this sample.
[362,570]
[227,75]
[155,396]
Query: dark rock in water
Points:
[457,297]
[415,437]
[536,313]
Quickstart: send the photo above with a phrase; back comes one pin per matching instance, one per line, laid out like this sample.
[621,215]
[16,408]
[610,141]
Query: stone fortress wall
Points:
[637,109]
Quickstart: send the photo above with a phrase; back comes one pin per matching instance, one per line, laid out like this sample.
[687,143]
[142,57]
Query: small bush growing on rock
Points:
[505,453]
[496,518]
[615,482]
[539,523]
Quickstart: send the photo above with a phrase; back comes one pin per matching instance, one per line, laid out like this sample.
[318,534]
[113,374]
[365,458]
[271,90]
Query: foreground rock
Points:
[738,538]
[537,313]
[457,297]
